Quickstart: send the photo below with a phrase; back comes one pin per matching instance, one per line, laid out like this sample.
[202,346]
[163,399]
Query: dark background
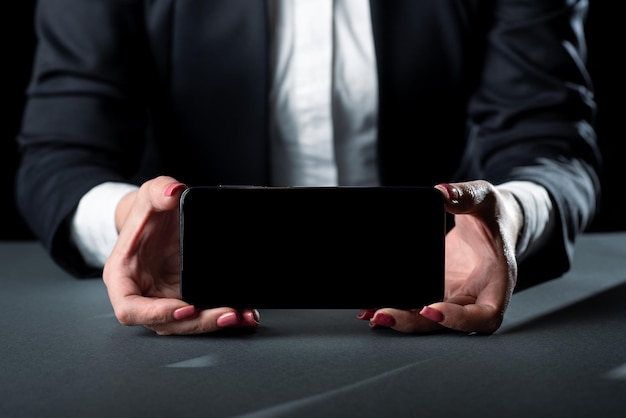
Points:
[605,66]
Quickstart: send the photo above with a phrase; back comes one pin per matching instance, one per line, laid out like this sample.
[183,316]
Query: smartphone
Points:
[311,247]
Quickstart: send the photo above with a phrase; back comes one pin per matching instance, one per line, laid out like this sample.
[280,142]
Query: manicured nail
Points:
[184,313]
[432,314]
[229,319]
[366,314]
[173,188]
[383,320]
[453,192]
[252,316]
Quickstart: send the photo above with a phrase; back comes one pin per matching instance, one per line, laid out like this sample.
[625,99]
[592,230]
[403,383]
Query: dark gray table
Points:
[560,353]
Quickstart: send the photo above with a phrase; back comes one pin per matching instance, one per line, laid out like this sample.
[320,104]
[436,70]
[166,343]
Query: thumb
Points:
[467,197]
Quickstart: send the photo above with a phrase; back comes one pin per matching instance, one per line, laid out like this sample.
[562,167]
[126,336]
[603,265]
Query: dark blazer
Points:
[129,89]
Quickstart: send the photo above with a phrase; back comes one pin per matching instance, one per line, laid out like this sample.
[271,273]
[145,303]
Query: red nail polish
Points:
[432,314]
[366,314]
[229,319]
[252,317]
[453,192]
[173,188]
[184,312]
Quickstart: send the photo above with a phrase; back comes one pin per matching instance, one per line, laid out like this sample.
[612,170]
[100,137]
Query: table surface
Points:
[561,352]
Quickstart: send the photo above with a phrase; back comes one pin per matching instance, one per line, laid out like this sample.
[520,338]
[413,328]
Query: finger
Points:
[164,192]
[158,195]
[121,269]
[366,314]
[251,318]
[466,318]
[168,316]
[407,321]
[139,310]
[465,197]
[208,320]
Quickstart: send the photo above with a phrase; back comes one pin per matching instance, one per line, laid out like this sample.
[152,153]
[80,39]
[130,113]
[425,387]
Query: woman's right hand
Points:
[142,273]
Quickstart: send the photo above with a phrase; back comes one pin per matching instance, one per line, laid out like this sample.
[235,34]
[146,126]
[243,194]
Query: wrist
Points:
[537,215]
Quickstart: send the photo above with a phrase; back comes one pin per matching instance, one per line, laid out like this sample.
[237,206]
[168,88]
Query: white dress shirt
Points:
[323,117]
[324,93]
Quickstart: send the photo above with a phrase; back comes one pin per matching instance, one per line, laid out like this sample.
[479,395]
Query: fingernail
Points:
[253,316]
[383,320]
[229,319]
[173,188]
[184,312]
[365,314]
[453,192]
[432,314]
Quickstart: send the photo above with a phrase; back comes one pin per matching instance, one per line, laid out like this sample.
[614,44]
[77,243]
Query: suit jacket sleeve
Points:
[84,118]
[536,96]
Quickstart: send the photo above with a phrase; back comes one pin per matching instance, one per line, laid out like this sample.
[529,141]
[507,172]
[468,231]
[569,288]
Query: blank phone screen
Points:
[312,247]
